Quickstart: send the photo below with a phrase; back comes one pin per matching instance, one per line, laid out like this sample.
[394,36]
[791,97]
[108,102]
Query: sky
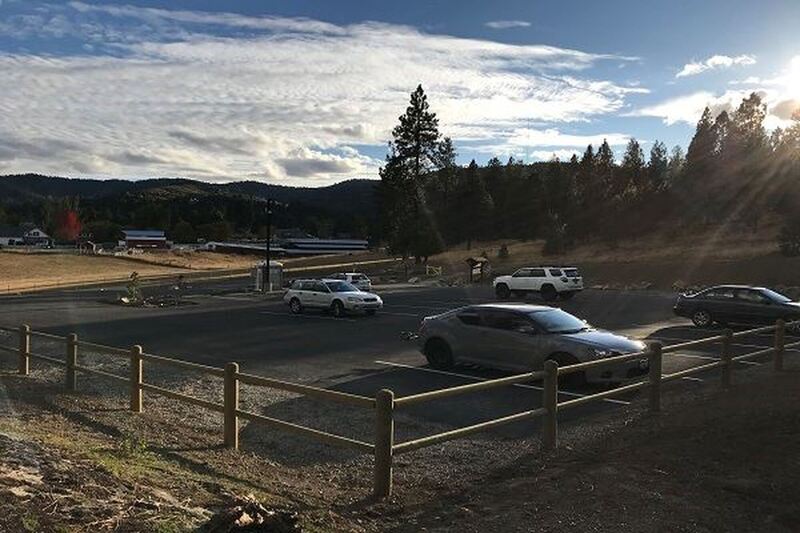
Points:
[306,92]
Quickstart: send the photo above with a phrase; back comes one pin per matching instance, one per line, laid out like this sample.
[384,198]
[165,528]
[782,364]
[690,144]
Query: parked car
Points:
[335,295]
[550,282]
[357,280]
[737,304]
[521,337]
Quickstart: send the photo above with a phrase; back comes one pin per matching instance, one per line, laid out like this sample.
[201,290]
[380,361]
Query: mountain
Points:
[351,195]
[189,208]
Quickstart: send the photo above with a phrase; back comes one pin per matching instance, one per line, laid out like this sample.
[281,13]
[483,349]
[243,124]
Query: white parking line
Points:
[706,357]
[736,344]
[318,317]
[475,378]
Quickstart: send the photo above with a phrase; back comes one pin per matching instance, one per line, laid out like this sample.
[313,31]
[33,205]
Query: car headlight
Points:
[353,299]
[599,352]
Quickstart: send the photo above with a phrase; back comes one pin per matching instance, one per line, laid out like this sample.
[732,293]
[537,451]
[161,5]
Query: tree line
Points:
[731,174]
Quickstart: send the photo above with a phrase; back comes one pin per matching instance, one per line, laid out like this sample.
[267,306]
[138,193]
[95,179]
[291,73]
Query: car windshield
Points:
[776,296]
[558,321]
[340,286]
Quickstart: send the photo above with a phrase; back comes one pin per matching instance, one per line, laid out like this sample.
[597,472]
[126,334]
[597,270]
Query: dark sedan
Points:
[737,304]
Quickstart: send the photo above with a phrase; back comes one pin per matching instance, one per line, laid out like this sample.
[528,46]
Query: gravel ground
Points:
[712,461]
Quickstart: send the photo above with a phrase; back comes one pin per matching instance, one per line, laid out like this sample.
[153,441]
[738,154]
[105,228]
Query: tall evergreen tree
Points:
[633,166]
[475,205]
[604,165]
[414,153]
[675,166]
[657,165]
[701,152]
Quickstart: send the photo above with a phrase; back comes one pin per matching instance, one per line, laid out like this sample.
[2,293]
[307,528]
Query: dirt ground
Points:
[711,461]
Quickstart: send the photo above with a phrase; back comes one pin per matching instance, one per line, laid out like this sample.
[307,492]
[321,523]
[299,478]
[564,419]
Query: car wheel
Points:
[337,309]
[549,293]
[439,354]
[574,379]
[567,295]
[502,291]
[295,306]
[702,318]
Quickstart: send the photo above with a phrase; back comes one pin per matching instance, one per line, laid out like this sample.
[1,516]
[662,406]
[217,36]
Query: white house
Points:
[24,235]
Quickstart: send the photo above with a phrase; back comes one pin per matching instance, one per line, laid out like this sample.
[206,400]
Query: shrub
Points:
[502,253]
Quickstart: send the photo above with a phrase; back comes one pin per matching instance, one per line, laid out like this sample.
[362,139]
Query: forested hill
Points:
[351,194]
[189,209]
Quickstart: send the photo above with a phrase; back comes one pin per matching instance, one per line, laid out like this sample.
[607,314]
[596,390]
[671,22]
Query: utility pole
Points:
[270,204]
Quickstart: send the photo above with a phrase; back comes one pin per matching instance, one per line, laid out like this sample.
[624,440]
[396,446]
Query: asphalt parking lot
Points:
[357,354]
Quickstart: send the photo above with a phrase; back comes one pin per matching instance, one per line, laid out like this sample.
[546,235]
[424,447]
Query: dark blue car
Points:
[737,304]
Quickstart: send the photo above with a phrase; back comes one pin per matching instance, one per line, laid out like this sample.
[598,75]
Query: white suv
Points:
[357,280]
[550,282]
[330,294]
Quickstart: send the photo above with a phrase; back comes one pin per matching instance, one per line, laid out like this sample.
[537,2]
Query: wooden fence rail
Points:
[384,403]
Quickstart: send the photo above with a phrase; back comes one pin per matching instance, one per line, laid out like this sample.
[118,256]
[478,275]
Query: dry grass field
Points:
[21,271]
[704,257]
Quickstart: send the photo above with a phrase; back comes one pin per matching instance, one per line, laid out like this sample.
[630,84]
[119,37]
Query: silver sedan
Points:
[521,337]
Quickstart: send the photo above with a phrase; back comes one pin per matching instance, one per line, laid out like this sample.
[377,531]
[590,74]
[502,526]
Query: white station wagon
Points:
[337,296]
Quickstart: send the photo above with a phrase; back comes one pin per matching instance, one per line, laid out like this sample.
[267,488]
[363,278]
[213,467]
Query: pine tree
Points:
[632,168]
[475,205]
[675,166]
[700,155]
[657,166]
[414,153]
[604,165]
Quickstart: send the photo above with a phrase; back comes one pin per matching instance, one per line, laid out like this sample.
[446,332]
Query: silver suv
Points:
[330,294]
[521,337]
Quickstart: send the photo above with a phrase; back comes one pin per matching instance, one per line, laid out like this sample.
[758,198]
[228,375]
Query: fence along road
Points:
[384,404]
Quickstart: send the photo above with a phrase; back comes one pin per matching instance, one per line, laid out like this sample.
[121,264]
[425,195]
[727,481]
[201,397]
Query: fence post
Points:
[654,355]
[550,403]
[136,378]
[24,349]
[780,342]
[725,355]
[231,401]
[384,442]
[72,361]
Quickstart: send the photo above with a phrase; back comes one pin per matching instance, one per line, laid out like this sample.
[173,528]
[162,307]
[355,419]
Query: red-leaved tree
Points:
[68,225]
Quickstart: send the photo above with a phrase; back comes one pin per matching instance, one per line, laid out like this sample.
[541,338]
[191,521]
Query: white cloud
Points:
[507,24]
[562,155]
[781,94]
[715,62]
[541,144]
[169,93]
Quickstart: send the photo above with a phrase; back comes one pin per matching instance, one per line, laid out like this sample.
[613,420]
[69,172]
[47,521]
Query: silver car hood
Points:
[606,340]
[357,294]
